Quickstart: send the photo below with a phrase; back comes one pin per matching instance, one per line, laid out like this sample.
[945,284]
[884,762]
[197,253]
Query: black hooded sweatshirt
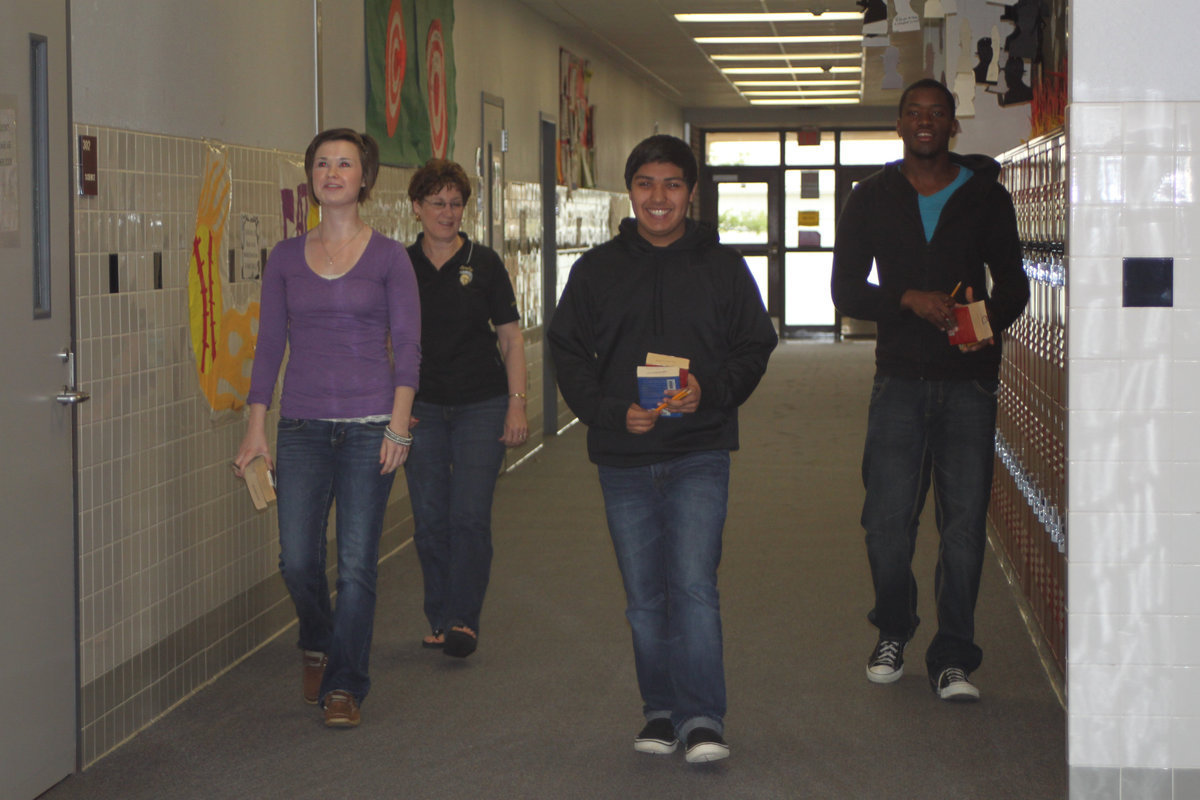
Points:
[694,298]
[976,234]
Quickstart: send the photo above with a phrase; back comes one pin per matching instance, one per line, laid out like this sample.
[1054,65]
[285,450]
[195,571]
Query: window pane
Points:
[808,207]
[806,278]
[818,154]
[871,147]
[758,268]
[748,148]
[742,213]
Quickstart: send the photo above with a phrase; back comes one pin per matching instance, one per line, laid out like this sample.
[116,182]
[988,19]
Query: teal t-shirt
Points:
[931,206]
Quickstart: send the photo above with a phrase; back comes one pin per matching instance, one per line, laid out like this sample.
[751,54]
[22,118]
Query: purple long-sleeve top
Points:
[336,331]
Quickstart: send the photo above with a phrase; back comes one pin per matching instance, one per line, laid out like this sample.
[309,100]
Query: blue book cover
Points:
[654,381]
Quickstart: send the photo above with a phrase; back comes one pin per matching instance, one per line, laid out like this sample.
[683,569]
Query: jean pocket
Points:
[289,424]
[988,386]
[878,386]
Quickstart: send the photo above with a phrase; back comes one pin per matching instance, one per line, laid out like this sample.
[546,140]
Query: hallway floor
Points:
[548,706]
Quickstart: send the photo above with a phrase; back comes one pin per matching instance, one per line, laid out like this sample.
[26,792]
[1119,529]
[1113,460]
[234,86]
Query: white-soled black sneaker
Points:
[657,738]
[952,684]
[705,744]
[887,661]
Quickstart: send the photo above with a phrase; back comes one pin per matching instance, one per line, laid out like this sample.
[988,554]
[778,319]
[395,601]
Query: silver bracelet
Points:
[392,436]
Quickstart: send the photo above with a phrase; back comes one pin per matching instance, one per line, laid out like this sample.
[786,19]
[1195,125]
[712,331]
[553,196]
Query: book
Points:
[260,481]
[970,324]
[659,375]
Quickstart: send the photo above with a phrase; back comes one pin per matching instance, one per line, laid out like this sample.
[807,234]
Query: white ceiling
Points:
[645,37]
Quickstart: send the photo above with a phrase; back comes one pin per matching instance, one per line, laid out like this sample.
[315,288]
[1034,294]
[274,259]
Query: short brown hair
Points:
[368,150]
[437,174]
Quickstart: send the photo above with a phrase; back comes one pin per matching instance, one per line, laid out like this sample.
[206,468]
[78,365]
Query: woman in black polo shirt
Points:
[469,407]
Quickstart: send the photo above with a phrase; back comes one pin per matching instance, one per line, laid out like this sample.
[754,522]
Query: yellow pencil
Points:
[678,396]
[957,286]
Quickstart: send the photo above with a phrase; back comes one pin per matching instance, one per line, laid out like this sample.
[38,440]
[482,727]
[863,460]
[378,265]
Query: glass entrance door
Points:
[743,206]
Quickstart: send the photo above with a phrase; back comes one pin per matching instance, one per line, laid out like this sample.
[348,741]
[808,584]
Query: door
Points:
[37,523]
[491,173]
[742,203]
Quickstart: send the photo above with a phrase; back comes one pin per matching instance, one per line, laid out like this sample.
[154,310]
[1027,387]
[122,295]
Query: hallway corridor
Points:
[548,706]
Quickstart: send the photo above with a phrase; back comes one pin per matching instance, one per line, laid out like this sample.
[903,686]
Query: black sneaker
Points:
[952,684]
[705,744]
[658,737]
[887,661]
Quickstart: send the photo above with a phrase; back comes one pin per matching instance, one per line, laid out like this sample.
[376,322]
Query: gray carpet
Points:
[548,706]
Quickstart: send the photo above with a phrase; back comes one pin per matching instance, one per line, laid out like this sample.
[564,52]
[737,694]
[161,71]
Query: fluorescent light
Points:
[787,56]
[797,83]
[804,93]
[856,38]
[799,16]
[829,101]
[790,70]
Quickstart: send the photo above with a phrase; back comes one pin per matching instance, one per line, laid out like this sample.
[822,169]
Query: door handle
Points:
[70,394]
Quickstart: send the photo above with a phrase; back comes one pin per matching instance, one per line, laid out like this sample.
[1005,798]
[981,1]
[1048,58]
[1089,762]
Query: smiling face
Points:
[337,173]
[926,123]
[441,213]
[660,198]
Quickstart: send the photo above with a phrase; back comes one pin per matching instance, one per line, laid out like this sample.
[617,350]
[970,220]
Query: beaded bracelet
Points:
[392,436]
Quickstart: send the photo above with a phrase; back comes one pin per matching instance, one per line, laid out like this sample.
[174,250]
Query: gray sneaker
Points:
[952,684]
[887,661]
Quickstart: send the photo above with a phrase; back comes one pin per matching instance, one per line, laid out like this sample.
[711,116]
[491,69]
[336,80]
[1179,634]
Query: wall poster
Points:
[411,105]
[576,143]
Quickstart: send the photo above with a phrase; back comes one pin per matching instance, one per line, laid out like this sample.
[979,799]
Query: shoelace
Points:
[888,652]
[953,675]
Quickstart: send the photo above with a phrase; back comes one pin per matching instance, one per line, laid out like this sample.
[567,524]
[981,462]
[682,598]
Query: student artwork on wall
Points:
[576,146]
[222,338]
[411,105]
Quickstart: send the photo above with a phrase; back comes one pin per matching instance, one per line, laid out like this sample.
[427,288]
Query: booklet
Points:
[260,481]
[970,324]
[661,374]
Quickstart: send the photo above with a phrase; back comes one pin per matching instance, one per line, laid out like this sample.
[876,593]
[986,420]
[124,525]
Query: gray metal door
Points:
[491,173]
[37,505]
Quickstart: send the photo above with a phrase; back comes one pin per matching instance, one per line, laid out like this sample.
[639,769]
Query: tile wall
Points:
[178,574]
[1134,454]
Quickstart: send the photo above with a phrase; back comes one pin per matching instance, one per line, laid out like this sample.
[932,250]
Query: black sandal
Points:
[433,643]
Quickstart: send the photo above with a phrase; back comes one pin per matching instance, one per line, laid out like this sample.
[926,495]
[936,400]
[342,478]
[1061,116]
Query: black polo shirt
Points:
[460,304]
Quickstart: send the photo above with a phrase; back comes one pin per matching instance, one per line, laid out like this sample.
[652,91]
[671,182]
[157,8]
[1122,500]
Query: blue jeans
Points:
[317,463]
[451,472]
[921,432]
[666,521]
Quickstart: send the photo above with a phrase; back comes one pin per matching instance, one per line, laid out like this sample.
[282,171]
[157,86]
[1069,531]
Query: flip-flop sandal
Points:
[459,643]
[434,644]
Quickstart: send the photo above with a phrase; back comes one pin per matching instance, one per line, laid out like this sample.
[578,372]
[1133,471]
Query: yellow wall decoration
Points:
[222,340]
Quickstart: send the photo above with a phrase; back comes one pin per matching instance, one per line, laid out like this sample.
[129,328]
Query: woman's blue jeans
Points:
[318,463]
[451,472]
[920,433]
[666,521]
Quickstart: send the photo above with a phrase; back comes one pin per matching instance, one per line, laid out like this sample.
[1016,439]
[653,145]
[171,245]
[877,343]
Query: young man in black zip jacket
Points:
[934,224]
[664,285]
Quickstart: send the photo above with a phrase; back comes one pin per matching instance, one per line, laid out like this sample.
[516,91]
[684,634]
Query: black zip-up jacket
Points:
[694,298]
[977,231]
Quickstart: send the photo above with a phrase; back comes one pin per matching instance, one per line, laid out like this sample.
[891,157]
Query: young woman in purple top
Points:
[471,404]
[343,301]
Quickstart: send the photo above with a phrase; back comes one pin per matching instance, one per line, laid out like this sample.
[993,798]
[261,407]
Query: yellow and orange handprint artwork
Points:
[222,340]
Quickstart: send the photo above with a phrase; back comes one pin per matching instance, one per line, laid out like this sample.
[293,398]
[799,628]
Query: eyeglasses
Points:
[442,205]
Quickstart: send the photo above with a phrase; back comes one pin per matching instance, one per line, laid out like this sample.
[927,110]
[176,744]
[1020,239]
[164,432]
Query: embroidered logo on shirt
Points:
[466,274]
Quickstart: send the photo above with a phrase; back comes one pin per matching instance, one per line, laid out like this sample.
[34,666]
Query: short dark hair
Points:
[435,175]
[926,83]
[662,149]
[368,151]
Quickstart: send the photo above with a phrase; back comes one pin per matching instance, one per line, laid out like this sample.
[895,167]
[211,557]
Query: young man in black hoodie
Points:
[665,285]
[934,224]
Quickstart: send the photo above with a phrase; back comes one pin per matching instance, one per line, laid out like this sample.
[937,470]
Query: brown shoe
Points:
[314,671]
[341,711]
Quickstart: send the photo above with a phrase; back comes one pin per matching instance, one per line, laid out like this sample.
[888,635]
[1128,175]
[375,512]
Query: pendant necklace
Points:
[330,256]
